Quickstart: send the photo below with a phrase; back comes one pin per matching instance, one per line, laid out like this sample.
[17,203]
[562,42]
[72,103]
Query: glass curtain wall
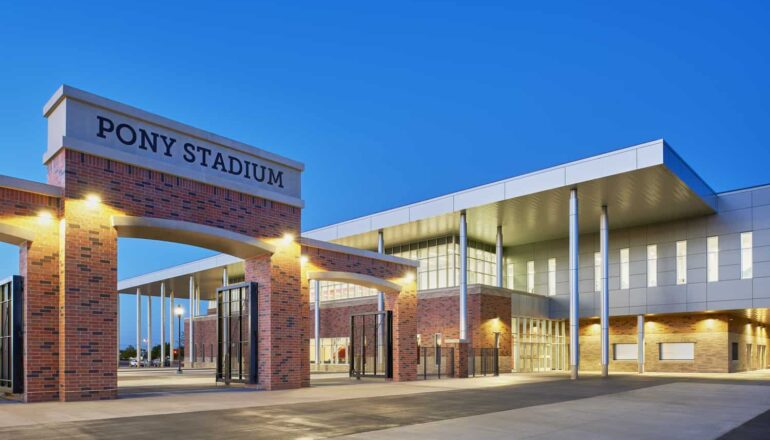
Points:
[440,262]
[333,290]
[539,345]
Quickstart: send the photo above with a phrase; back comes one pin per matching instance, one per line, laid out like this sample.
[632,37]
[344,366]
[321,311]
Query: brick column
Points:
[39,265]
[283,316]
[404,307]
[88,301]
[462,351]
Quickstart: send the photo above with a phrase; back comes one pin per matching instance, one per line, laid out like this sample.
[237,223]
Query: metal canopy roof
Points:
[643,184]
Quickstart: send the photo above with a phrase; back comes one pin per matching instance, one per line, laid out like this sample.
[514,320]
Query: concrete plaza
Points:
[509,406]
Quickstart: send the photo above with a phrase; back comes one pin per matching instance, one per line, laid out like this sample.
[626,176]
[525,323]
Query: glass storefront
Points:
[440,262]
[539,345]
[333,350]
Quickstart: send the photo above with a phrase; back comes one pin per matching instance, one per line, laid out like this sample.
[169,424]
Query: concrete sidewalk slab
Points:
[671,411]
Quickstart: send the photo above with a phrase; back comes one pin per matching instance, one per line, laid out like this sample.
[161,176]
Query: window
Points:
[625,352]
[652,265]
[747,260]
[440,262]
[551,276]
[510,279]
[531,276]
[712,262]
[681,262]
[333,290]
[624,274]
[597,271]
[677,351]
[734,355]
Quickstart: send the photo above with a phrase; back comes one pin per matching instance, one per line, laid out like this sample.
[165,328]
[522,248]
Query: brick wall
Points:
[39,265]
[403,304]
[709,332]
[87,248]
[745,332]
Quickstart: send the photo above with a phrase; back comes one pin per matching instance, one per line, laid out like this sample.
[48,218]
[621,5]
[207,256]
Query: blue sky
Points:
[390,104]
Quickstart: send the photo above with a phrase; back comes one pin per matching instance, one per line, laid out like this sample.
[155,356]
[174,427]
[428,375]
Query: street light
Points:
[179,311]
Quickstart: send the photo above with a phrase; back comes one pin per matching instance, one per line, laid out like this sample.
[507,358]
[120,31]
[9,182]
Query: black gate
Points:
[371,345]
[11,335]
[237,333]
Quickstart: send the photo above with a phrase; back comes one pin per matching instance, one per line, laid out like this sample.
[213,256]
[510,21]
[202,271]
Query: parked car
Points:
[132,362]
[166,363]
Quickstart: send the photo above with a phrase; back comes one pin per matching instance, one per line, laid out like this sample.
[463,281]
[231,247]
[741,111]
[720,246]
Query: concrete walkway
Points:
[671,411]
[19,414]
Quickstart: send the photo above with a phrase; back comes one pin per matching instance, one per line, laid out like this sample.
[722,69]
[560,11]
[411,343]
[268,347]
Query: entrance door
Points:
[11,336]
[237,333]
[371,345]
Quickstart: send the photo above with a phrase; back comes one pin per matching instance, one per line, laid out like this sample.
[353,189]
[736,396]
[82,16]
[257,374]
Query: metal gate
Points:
[237,333]
[371,345]
[11,335]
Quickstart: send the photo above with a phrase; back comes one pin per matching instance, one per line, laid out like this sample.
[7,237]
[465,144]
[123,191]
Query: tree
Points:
[128,352]
[156,351]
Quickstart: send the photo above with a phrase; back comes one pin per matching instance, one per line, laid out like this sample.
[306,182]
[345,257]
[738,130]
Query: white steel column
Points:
[604,234]
[380,250]
[162,324]
[574,301]
[463,277]
[640,342]
[191,348]
[317,323]
[149,330]
[138,326]
[499,256]
[171,328]
[380,303]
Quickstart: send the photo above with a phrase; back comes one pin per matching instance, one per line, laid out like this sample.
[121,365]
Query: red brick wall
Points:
[403,304]
[335,321]
[88,261]
[38,264]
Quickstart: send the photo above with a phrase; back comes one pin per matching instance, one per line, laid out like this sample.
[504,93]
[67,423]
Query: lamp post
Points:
[179,311]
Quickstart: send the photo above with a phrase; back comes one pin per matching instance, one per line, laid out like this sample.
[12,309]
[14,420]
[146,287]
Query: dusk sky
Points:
[390,104]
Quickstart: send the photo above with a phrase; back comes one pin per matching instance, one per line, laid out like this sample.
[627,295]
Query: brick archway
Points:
[393,276]
[116,170]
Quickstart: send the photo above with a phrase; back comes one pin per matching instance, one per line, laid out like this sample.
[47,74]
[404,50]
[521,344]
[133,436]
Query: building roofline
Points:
[648,154]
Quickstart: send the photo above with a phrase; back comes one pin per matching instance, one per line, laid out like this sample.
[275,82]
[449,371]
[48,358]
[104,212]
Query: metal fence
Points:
[435,362]
[484,362]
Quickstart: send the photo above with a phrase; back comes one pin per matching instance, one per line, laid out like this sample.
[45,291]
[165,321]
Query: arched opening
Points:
[165,265]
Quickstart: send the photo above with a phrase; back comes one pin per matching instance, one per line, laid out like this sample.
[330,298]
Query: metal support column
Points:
[149,330]
[162,324]
[604,234]
[499,256]
[317,323]
[138,327]
[171,345]
[574,301]
[380,303]
[191,347]
[463,277]
[640,342]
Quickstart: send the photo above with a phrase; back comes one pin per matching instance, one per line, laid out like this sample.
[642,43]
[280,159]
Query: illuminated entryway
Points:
[539,345]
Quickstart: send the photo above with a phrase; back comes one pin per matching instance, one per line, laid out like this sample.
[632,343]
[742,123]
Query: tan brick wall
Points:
[744,332]
[707,331]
